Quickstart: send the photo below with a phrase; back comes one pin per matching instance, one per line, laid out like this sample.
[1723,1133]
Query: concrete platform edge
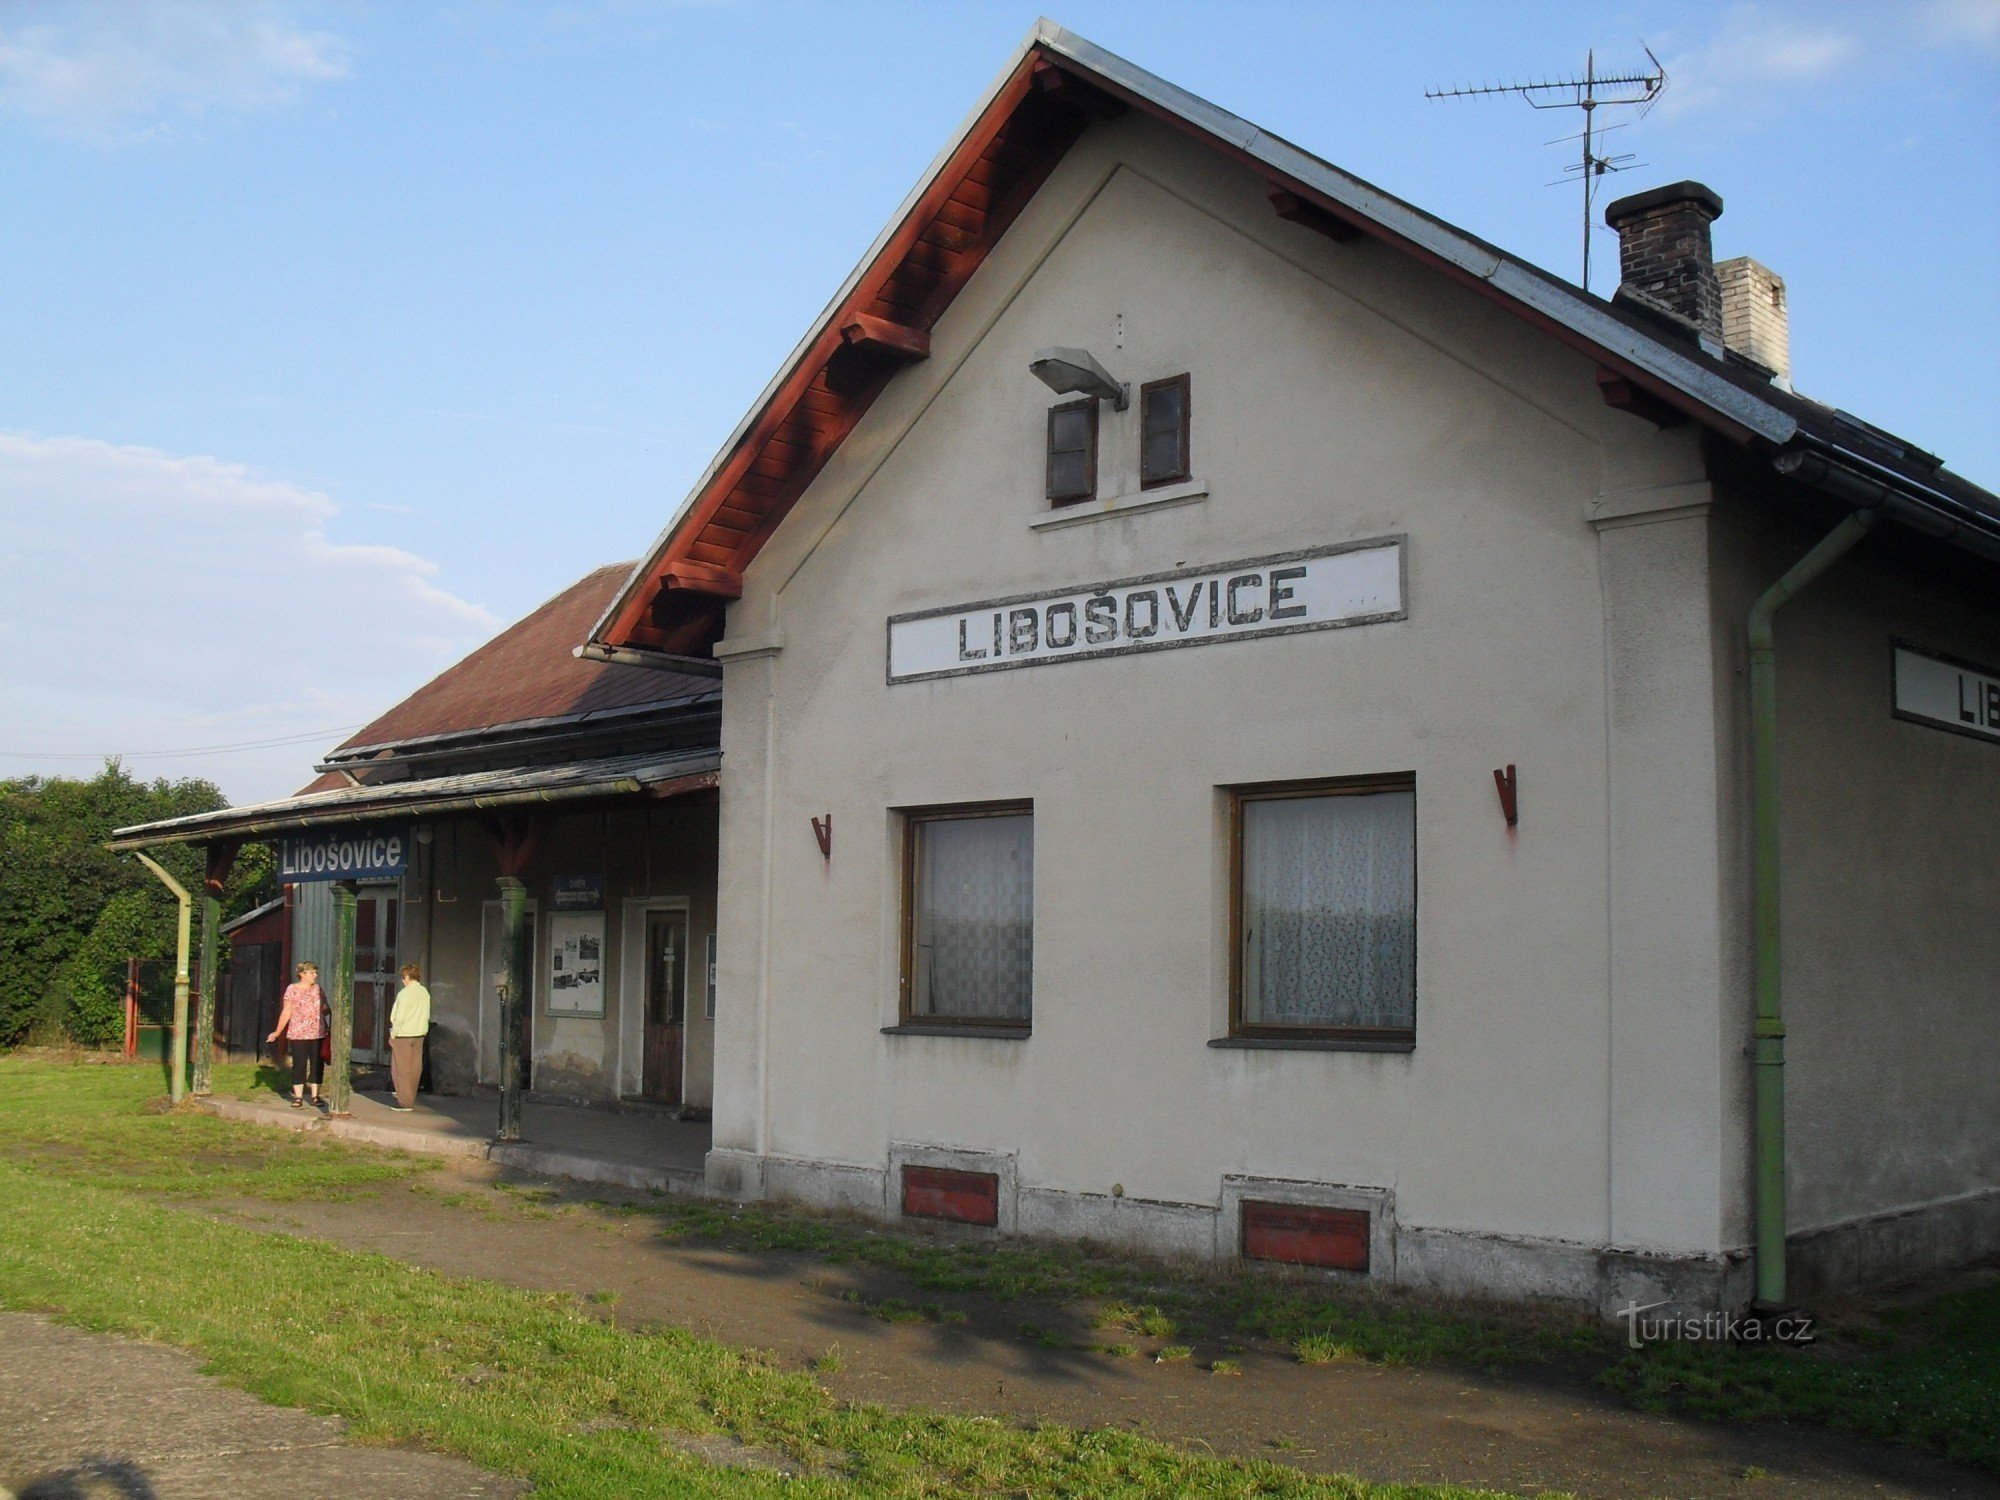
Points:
[522,1156]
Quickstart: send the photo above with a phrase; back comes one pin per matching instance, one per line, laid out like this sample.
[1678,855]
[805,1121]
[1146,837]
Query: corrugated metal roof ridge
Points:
[712,690]
[644,766]
[1528,284]
[252,915]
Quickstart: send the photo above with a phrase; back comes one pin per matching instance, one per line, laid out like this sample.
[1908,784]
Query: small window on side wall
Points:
[1163,432]
[969,916]
[1072,469]
[1325,904]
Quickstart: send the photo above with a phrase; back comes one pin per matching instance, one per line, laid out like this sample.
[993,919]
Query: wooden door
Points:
[256,985]
[666,1004]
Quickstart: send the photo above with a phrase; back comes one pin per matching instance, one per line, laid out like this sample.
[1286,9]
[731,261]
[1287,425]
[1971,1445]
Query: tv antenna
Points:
[1587,93]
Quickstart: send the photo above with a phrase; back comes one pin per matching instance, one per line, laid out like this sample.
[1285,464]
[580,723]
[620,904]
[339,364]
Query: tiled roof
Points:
[527,675]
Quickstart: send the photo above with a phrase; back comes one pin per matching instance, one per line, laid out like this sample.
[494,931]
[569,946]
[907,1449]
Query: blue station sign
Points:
[344,854]
[579,892]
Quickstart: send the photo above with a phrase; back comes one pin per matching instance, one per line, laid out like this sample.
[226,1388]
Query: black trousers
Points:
[306,1064]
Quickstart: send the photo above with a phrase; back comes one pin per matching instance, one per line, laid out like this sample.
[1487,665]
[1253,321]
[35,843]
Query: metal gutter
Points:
[636,656]
[347,812]
[1857,480]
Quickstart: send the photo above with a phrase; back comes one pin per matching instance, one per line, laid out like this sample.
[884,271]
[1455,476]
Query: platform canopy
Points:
[653,774]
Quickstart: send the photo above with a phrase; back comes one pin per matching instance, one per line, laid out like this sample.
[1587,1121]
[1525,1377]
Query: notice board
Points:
[576,964]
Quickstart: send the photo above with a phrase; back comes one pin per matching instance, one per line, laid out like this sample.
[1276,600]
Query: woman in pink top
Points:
[302,1022]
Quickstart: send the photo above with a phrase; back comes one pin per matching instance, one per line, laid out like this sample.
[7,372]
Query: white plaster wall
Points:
[1339,393]
[1890,859]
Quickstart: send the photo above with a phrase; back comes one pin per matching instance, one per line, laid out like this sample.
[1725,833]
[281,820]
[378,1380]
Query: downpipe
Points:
[1768,1031]
[177,1077]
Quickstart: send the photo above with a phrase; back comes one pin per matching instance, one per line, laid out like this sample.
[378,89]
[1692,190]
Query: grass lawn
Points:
[1927,1374]
[538,1385]
[466,1366]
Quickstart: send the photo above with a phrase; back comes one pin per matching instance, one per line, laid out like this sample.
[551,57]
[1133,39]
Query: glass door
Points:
[666,1005]
[375,923]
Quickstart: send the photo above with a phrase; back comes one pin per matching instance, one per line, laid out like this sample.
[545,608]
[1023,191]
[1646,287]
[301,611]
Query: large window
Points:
[1072,466]
[969,917]
[1325,896]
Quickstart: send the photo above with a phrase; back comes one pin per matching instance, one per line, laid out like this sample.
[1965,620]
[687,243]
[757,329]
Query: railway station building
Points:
[1208,709]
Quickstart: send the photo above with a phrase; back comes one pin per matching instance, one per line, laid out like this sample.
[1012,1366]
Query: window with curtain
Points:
[969,917]
[1326,901]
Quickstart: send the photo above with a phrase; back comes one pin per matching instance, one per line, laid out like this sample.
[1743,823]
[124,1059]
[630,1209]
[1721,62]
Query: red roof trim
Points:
[882,325]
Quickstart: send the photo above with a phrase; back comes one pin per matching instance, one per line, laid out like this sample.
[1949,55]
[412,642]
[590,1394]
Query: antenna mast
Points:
[1586,93]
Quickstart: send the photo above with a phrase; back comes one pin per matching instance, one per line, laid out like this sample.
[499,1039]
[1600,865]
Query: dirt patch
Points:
[868,1335]
[89,1414]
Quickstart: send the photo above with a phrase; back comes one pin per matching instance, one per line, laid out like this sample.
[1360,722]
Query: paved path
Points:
[641,1149]
[84,1415]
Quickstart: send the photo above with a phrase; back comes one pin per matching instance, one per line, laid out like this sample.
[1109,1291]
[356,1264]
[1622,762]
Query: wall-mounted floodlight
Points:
[1065,370]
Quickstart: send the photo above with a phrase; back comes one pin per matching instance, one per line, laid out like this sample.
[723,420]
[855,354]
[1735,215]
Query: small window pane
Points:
[1069,429]
[1329,911]
[1163,437]
[973,936]
[1069,475]
[1072,468]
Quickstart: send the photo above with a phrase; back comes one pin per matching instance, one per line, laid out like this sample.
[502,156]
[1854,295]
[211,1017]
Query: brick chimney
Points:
[1664,253]
[1754,320]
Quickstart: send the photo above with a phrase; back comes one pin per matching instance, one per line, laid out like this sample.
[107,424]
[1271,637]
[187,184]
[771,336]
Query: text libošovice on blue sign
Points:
[345,854]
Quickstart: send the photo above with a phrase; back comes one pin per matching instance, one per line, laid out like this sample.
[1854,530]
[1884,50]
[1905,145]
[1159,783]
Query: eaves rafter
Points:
[673,603]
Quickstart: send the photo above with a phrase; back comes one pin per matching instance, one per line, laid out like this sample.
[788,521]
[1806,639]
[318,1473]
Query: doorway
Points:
[492,969]
[376,918]
[666,1006]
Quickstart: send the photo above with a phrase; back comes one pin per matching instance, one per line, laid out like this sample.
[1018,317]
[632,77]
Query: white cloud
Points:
[1974,21]
[1754,55]
[114,73]
[159,601]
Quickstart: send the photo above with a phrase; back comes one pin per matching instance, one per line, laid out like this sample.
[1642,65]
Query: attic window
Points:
[1072,467]
[1163,431]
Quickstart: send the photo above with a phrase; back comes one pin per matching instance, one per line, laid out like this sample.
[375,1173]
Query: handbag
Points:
[325,1029]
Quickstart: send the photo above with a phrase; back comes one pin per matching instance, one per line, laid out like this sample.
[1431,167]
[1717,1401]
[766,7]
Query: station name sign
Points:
[1948,694]
[1358,583]
[344,854]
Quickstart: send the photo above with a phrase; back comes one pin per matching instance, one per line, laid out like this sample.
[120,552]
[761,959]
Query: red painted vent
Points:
[1303,1235]
[941,1193]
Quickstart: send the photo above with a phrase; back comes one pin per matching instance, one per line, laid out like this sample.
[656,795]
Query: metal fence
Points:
[149,1007]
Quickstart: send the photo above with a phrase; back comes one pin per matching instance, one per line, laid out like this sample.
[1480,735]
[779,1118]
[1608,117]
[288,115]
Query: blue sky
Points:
[337,336]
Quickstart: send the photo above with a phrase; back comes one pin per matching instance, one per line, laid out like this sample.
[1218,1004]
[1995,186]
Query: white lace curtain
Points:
[1329,910]
[975,935]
